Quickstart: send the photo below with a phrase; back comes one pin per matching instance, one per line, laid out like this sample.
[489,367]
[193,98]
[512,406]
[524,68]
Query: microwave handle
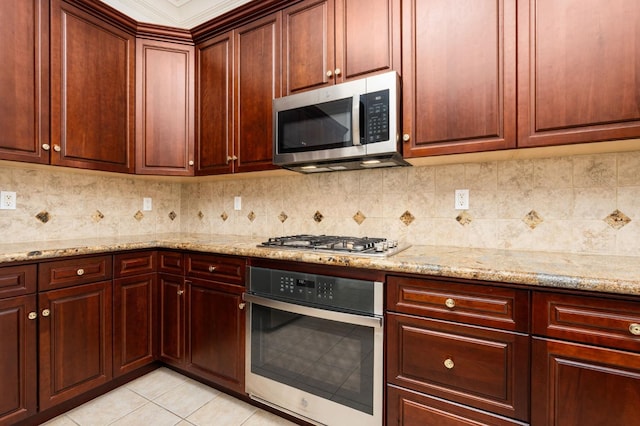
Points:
[357,119]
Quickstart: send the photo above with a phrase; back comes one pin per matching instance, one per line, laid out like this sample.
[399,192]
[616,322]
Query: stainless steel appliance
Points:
[352,125]
[315,346]
[361,246]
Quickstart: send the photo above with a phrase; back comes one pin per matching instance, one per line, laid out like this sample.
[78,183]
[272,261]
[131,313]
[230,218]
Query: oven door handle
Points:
[314,312]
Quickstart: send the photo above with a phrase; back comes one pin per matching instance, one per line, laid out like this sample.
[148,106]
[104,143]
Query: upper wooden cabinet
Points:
[577,71]
[24,80]
[164,108]
[459,76]
[238,75]
[331,41]
[92,91]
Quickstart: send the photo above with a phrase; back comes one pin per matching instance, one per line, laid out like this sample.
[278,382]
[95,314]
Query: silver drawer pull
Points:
[450,303]
[449,363]
[634,328]
[80,272]
[33,315]
[212,268]
[46,313]
[180,292]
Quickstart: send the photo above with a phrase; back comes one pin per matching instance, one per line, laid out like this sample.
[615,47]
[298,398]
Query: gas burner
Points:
[336,244]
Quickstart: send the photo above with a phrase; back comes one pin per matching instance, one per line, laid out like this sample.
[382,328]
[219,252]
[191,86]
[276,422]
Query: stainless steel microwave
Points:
[352,125]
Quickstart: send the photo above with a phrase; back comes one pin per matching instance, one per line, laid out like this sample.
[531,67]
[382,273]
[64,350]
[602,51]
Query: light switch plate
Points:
[147,204]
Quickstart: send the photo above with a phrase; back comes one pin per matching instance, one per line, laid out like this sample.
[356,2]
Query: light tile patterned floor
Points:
[164,397]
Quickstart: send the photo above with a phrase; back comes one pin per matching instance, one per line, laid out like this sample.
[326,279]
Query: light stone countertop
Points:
[608,274]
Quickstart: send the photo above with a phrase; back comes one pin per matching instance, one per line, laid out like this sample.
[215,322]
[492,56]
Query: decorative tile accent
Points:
[172,215]
[464,218]
[283,216]
[97,216]
[318,217]
[224,216]
[532,219]
[200,215]
[251,216]
[359,217]
[407,218]
[617,219]
[138,216]
[43,216]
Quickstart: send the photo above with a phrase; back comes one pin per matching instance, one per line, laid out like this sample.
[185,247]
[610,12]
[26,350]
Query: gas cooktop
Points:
[364,246]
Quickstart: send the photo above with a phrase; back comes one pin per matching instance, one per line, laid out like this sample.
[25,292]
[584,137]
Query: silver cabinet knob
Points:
[57,148]
[450,303]
[406,137]
[329,73]
[338,71]
[46,313]
[46,146]
[32,315]
[634,328]
[191,163]
[180,292]
[242,305]
[80,272]
[212,268]
[449,363]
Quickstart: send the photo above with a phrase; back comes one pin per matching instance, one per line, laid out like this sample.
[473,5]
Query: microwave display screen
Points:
[375,107]
[326,125]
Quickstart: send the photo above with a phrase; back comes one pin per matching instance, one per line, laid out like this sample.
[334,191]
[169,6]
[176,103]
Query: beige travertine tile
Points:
[553,173]
[156,383]
[450,177]
[515,174]
[107,408]
[225,410]
[629,169]
[590,171]
[60,421]
[593,203]
[184,399]
[264,418]
[148,414]
[482,176]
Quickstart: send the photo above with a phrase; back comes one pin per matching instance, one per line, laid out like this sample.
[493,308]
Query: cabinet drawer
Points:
[483,368]
[473,304]
[594,320]
[126,265]
[221,268]
[17,280]
[171,262]
[405,407]
[65,273]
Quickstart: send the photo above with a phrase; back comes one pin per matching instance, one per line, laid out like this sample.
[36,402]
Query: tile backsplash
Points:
[578,203]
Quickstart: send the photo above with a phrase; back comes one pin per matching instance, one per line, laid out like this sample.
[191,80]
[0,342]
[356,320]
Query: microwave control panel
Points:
[376,116]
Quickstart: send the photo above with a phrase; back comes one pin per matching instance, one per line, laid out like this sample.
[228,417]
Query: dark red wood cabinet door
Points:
[576,384]
[257,83]
[164,108]
[134,322]
[458,67]
[24,80]
[578,67]
[214,105]
[18,359]
[308,44]
[75,343]
[92,91]
[171,319]
[216,330]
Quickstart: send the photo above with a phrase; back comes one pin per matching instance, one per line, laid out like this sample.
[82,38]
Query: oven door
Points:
[319,365]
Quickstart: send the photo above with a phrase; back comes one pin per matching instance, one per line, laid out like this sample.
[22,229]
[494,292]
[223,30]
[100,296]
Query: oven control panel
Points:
[314,290]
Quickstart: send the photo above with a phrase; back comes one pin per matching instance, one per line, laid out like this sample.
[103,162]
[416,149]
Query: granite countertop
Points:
[609,274]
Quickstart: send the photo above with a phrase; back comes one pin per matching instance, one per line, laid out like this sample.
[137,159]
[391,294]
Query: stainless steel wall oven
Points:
[315,345]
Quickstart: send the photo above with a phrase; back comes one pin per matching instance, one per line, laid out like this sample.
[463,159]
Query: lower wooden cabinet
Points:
[18,358]
[581,385]
[171,319]
[215,332]
[134,322]
[409,408]
[75,341]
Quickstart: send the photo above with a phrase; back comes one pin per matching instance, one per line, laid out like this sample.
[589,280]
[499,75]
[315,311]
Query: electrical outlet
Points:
[7,200]
[461,199]
[237,203]
[147,204]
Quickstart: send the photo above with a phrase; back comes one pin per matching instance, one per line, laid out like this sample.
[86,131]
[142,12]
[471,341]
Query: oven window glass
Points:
[330,359]
[326,125]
